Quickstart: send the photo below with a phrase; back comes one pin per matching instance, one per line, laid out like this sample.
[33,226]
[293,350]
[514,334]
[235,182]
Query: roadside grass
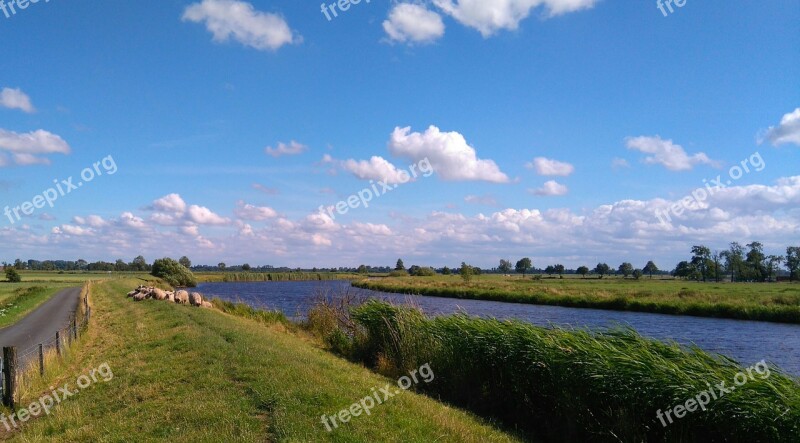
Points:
[776,302]
[199,375]
[19,299]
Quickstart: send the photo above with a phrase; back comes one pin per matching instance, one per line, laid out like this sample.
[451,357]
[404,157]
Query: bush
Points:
[173,273]
[418,271]
[398,274]
[13,276]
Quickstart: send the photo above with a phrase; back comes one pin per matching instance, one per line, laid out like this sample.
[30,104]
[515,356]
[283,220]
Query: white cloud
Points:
[550,189]
[94,221]
[486,200]
[204,216]
[27,148]
[490,16]
[787,132]
[376,168]
[413,23]
[550,167]
[293,148]
[667,153]
[172,210]
[265,189]
[16,99]
[448,152]
[254,213]
[238,20]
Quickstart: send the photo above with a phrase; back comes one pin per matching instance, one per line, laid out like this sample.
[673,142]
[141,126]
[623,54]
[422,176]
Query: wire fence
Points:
[14,362]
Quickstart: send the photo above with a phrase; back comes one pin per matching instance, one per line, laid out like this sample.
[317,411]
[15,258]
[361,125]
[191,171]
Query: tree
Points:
[523,266]
[773,265]
[755,262]
[19,265]
[400,266]
[792,261]
[550,270]
[683,270]
[120,265]
[466,272]
[222,266]
[12,275]
[602,269]
[583,270]
[185,262]
[446,271]
[362,269]
[173,273]
[560,269]
[626,269]
[734,259]
[139,264]
[505,266]
[246,267]
[637,274]
[650,268]
[701,256]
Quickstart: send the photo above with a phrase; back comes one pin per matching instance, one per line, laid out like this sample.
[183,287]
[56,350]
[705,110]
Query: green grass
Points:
[187,374]
[574,385]
[776,302]
[272,276]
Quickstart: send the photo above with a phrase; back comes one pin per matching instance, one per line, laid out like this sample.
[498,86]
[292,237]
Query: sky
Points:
[568,131]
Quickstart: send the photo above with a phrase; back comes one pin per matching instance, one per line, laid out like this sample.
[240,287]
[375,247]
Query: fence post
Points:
[10,376]
[75,328]
[58,343]
[41,359]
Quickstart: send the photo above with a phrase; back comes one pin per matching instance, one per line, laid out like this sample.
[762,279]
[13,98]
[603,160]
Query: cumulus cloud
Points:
[172,210]
[293,148]
[787,132]
[376,168]
[413,23]
[667,153]
[448,152]
[550,167]
[16,99]
[238,20]
[491,16]
[254,213]
[27,148]
[551,188]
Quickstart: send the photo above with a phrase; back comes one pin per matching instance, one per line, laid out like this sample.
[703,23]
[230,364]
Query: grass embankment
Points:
[195,375]
[19,299]
[209,277]
[564,385]
[775,302]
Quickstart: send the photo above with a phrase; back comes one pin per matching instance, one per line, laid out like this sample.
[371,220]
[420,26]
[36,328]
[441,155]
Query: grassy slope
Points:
[779,302]
[188,374]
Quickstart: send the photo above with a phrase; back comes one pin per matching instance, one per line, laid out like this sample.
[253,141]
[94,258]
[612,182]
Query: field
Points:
[776,302]
[186,374]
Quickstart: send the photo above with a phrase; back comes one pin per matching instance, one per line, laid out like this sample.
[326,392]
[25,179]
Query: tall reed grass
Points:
[284,276]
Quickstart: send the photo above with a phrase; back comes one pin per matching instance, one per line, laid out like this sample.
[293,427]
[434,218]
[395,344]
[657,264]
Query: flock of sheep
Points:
[180,297]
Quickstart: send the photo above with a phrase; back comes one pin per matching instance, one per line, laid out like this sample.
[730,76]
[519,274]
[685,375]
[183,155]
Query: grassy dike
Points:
[742,301]
[197,375]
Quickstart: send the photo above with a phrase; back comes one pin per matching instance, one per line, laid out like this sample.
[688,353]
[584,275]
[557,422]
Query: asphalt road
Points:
[41,324]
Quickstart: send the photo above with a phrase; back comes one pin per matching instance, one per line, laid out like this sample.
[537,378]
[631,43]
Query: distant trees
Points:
[400,266]
[139,264]
[12,275]
[185,262]
[583,270]
[362,269]
[421,271]
[602,269]
[626,269]
[446,271]
[637,274]
[222,266]
[246,267]
[550,270]
[505,266]
[701,257]
[560,269]
[650,268]
[523,266]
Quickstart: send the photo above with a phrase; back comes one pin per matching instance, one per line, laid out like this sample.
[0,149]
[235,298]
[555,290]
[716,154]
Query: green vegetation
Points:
[191,375]
[173,273]
[275,276]
[776,302]
[17,302]
[12,275]
[572,385]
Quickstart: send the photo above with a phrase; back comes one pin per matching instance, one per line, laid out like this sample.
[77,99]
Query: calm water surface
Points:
[746,341]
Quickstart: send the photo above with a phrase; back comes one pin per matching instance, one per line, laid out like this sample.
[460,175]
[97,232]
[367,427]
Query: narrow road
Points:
[41,324]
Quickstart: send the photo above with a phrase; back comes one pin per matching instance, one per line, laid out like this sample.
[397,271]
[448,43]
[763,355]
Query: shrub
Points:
[398,274]
[13,276]
[173,273]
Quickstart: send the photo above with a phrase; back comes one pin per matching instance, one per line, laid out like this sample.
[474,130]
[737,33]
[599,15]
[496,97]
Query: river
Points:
[746,341]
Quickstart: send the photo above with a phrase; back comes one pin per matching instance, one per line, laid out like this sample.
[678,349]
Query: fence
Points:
[15,363]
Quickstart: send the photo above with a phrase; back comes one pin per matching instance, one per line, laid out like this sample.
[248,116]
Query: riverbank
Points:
[186,374]
[773,302]
[230,277]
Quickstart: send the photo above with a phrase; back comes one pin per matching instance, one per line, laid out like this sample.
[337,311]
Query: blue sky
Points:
[591,88]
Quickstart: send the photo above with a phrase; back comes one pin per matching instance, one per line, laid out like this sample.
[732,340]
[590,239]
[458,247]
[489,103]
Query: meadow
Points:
[776,302]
